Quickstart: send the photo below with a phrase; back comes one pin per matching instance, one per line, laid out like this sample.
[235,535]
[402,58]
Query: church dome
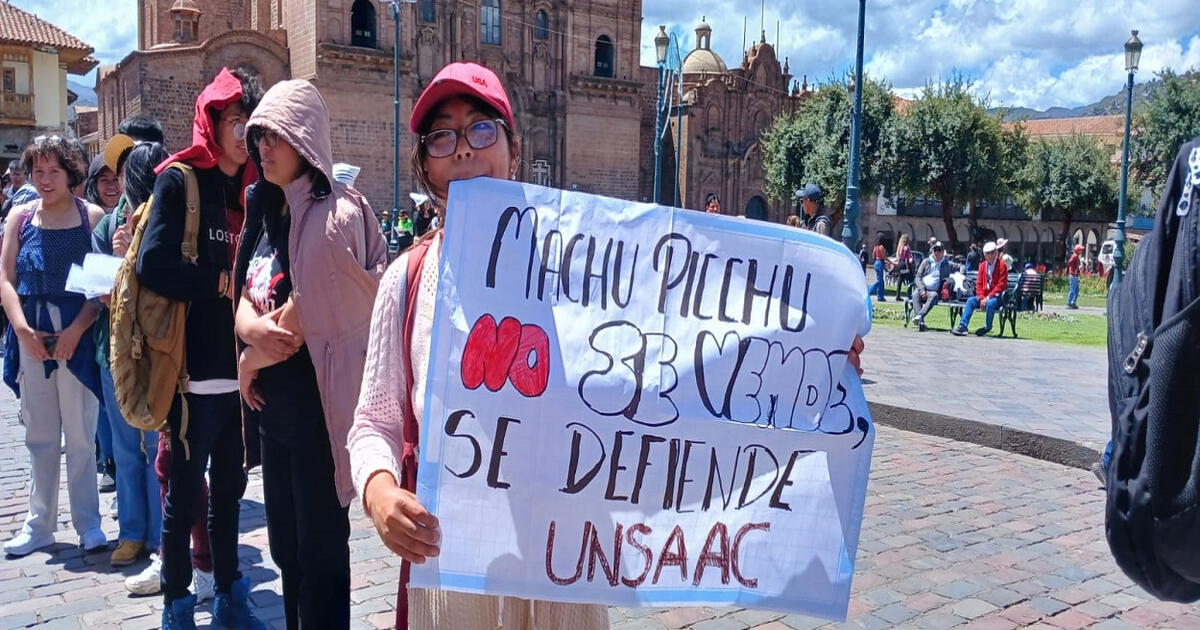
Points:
[703,60]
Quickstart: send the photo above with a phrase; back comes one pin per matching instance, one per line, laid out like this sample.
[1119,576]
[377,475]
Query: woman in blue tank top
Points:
[49,357]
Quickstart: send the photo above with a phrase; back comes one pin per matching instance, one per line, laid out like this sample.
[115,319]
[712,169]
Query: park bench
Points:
[1026,295]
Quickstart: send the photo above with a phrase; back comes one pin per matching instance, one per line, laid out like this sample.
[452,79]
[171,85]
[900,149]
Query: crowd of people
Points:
[304,351]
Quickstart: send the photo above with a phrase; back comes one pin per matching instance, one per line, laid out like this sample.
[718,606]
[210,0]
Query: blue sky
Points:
[1032,53]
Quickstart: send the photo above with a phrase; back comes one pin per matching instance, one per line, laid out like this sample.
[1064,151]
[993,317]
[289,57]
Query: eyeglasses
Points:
[480,135]
[239,126]
[264,138]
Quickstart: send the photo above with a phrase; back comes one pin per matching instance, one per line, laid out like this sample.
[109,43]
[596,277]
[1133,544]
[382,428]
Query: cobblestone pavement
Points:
[1043,388]
[955,535]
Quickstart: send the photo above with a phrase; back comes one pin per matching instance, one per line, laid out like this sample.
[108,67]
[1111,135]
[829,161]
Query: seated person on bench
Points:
[1025,286]
[993,280]
[932,275]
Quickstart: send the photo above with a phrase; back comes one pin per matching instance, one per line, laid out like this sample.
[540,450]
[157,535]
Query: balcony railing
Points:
[16,107]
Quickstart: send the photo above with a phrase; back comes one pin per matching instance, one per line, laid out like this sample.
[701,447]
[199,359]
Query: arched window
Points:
[604,57]
[428,10]
[756,208]
[489,22]
[186,27]
[363,24]
[541,25]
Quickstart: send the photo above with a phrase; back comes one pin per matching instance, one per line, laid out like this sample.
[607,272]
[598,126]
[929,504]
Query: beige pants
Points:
[53,407]
[438,609]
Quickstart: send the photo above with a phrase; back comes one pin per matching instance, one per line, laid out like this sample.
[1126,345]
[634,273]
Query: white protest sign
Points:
[637,405]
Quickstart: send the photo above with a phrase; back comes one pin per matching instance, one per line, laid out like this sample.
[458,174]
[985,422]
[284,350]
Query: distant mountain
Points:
[87,95]
[1112,104]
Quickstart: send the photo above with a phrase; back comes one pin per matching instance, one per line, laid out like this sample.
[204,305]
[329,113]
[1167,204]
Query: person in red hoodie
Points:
[212,437]
[993,280]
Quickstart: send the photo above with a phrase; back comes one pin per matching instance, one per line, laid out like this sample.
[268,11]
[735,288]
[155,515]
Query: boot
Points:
[179,614]
[231,611]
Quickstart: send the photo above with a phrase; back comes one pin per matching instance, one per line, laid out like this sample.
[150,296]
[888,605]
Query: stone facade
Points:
[583,103]
[725,114]
[1029,239]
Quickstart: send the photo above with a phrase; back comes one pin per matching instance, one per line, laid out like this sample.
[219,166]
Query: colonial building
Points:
[1029,238]
[35,59]
[583,103]
[181,47]
[725,113]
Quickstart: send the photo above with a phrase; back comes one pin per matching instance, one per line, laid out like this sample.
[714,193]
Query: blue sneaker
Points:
[180,614]
[231,611]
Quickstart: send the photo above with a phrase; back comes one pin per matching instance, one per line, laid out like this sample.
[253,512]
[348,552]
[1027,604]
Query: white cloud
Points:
[1031,53]
[109,26]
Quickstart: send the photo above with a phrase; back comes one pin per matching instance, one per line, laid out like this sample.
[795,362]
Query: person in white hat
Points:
[993,280]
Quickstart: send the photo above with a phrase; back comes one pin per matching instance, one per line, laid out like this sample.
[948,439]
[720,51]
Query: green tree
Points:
[949,147]
[811,145]
[1169,118]
[1063,177]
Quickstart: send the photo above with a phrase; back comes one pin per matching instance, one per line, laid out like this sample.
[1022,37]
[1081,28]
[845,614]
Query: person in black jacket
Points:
[209,434]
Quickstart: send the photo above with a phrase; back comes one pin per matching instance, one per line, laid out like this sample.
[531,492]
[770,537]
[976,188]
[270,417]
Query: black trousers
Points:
[309,533]
[213,440]
[307,527]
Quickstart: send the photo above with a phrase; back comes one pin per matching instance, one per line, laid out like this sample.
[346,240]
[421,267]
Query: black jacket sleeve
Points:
[160,265]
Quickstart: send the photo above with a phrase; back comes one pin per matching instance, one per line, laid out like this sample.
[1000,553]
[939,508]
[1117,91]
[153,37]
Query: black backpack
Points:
[1152,516]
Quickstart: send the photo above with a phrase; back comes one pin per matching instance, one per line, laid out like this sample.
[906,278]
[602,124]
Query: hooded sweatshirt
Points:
[209,338]
[336,254]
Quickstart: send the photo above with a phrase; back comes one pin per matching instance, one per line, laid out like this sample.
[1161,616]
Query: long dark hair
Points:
[139,172]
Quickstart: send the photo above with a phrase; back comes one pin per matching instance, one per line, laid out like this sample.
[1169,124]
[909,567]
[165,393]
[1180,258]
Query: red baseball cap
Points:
[462,79]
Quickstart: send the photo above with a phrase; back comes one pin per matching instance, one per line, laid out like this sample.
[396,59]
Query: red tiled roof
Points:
[23,27]
[1102,126]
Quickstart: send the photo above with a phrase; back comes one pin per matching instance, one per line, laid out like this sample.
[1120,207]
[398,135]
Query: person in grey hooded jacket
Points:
[308,269]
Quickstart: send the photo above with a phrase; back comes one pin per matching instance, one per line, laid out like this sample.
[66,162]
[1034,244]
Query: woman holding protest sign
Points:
[465,126]
[308,266]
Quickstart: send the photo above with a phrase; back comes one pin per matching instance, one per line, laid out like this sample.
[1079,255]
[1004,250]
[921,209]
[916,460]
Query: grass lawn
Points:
[1072,329]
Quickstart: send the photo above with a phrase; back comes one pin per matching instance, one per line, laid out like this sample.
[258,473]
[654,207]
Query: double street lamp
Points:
[1133,54]
[850,217]
[662,43]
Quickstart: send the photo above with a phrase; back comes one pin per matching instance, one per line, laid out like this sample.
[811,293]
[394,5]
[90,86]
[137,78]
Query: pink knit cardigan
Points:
[376,443]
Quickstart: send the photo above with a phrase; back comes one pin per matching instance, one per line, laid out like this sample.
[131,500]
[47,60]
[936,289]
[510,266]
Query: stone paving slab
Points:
[1039,388]
[955,536]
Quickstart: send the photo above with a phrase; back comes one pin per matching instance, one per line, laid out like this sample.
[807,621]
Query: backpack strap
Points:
[412,431]
[191,219]
[190,253]
[416,263]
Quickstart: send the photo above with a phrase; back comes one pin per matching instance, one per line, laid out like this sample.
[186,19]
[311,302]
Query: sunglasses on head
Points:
[48,139]
[480,135]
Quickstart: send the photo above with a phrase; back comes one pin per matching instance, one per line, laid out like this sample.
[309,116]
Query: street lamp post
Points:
[1133,54]
[850,217]
[661,43]
[389,222]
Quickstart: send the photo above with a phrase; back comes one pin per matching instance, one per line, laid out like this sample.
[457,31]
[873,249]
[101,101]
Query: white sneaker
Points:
[25,543]
[204,585]
[149,581]
[93,540]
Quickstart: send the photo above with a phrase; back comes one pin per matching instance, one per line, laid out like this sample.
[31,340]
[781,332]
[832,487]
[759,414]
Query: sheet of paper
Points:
[636,405]
[96,277]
